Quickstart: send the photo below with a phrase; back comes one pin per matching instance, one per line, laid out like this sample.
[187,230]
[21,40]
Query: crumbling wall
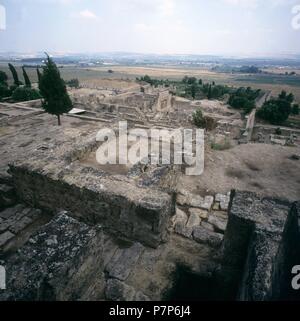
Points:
[141,214]
[258,246]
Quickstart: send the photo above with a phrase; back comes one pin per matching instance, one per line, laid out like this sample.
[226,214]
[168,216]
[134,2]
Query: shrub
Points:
[221,146]
[202,121]
[277,111]
[25,94]
[198,118]
[73,83]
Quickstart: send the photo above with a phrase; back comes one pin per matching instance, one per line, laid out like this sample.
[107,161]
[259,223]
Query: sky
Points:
[220,27]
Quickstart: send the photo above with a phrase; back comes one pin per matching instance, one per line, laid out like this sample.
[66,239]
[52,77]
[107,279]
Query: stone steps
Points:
[14,220]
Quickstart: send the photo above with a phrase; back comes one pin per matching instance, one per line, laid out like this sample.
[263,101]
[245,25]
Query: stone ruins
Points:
[71,229]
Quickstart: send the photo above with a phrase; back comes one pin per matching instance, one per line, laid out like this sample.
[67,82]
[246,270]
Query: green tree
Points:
[209,93]
[53,89]
[277,111]
[15,75]
[295,109]
[39,75]
[3,77]
[194,89]
[26,78]
[4,91]
[25,94]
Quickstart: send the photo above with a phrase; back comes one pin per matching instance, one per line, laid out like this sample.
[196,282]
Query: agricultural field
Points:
[274,80]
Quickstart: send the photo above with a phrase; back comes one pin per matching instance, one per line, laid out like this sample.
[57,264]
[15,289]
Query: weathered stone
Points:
[201,213]
[9,212]
[195,201]
[180,216]
[224,205]
[138,213]
[118,291]
[124,261]
[190,200]
[20,225]
[216,206]
[224,201]
[181,199]
[182,230]
[194,220]
[208,226]
[5,237]
[218,223]
[221,214]
[262,251]
[207,203]
[202,235]
[59,263]
[220,197]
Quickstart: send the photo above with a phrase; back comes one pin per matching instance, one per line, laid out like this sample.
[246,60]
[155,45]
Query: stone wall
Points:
[138,213]
[259,248]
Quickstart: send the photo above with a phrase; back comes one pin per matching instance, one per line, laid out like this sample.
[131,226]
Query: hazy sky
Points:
[151,26]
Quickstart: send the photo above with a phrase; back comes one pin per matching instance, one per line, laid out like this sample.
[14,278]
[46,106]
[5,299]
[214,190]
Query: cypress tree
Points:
[26,78]
[39,75]
[209,94]
[53,89]
[15,75]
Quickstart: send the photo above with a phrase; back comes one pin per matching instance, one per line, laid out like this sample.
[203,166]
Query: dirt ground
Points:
[264,169]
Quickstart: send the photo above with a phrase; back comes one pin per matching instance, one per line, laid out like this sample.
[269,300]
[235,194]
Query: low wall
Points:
[141,214]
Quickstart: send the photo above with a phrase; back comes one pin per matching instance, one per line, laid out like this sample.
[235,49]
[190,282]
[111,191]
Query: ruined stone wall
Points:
[263,134]
[141,214]
[259,248]
[250,125]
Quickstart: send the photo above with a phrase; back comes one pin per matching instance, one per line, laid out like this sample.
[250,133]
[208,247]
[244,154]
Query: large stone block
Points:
[258,247]
[59,262]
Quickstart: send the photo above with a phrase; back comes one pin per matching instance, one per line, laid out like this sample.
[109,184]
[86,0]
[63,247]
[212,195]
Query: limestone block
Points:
[203,214]
[180,216]
[202,235]
[218,223]
[208,226]
[194,220]
[182,230]
[207,203]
